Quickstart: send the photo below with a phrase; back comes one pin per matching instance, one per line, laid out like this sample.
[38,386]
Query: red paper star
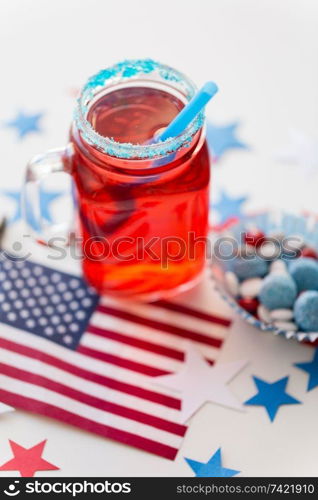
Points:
[27,460]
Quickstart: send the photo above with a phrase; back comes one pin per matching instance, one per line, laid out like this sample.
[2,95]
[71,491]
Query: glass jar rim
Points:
[129,70]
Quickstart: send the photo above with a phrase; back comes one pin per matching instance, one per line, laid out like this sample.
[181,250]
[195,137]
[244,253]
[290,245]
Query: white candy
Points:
[281,314]
[278,267]
[251,287]
[232,283]
[294,242]
[268,250]
[288,326]
[263,314]
[246,250]
[277,235]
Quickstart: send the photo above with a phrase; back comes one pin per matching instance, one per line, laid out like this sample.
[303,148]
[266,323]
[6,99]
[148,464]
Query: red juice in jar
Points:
[139,230]
[142,204]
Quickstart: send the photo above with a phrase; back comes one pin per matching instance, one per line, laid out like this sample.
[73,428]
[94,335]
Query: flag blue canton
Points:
[45,302]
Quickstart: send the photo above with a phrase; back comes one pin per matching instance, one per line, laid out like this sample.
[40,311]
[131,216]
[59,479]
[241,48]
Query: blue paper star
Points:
[46,198]
[228,207]
[221,139]
[25,124]
[16,197]
[311,367]
[213,468]
[271,396]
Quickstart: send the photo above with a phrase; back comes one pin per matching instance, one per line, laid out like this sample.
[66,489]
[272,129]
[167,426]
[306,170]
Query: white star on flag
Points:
[200,382]
[302,151]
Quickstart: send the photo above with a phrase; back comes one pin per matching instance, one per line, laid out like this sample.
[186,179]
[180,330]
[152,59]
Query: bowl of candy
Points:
[266,268]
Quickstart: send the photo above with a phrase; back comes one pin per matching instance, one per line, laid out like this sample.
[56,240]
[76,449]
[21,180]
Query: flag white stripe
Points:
[131,353]
[47,396]
[142,332]
[57,375]
[167,316]
[77,359]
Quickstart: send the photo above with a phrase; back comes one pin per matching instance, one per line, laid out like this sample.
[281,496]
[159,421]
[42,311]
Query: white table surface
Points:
[263,55]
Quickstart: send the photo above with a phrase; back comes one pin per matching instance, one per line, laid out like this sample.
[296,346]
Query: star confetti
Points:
[46,198]
[199,382]
[302,151]
[222,139]
[27,460]
[25,123]
[271,396]
[229,208]
[212,468]
[311,367]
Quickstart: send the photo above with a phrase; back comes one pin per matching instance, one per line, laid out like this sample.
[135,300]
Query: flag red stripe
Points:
[189,311]
[159,325]
[139,392]
[94,401]
[140,344]
[151,371]
[29,404]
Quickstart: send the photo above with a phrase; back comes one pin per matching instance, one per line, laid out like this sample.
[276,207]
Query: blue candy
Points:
[306,311]
[305,273]
[251,267]
[278,291]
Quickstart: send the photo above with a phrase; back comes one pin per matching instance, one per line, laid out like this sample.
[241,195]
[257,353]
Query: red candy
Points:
[309,252]
[250,305]
[254,238]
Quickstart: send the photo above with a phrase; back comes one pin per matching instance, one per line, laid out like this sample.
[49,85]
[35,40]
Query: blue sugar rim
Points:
[121,72]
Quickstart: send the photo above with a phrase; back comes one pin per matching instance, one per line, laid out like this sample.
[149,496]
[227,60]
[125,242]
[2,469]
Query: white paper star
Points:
[301,151]
[199,383]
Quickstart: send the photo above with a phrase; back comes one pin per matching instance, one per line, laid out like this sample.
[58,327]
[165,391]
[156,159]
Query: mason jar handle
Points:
[39,169]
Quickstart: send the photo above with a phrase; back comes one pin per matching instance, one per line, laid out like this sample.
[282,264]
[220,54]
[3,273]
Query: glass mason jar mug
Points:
[142,206]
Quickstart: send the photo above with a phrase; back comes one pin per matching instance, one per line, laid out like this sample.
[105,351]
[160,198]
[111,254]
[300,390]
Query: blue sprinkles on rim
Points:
[119,73]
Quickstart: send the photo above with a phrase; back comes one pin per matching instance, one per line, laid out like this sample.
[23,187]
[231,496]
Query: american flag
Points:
[87,360]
